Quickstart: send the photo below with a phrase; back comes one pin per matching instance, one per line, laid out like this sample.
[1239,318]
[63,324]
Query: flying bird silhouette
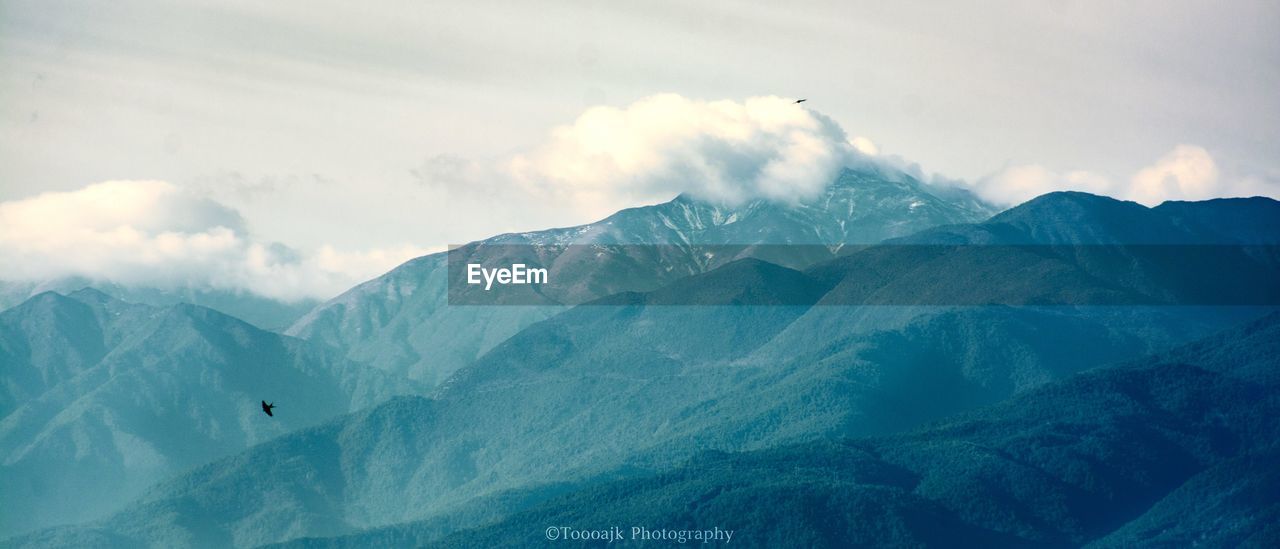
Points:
[267,408]
[798,101]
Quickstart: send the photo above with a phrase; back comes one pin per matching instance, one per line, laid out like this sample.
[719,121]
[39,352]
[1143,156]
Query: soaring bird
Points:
[267,408]
[801,100]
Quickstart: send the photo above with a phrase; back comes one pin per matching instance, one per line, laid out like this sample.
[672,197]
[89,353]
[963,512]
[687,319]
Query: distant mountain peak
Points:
[394,321]
[1073,217]
[1071,201]
[177,322]
[91,295]
[260,311]
[45,298]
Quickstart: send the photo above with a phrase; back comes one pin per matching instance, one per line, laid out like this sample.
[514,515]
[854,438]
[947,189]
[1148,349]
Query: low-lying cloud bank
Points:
[1188,172]
[154,234]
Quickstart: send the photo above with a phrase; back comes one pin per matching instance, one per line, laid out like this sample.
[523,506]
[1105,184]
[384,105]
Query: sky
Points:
[321,143]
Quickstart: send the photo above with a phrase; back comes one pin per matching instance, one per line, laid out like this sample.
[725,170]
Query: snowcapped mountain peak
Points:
[861,206]
[396,321]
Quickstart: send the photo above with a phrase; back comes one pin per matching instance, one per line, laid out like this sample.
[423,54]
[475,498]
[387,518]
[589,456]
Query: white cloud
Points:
[641,154]
[223,232]
[864,146]
[1019,184]
[723,151]
[1188,172]
[1185,173]
[153,233]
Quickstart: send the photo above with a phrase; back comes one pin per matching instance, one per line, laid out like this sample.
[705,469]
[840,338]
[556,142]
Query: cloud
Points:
[1185,173]
[224,232]
[721,151]
[456,176]
[1019,184]
[604,160]
[1188,172]
[152,233]
[864,146]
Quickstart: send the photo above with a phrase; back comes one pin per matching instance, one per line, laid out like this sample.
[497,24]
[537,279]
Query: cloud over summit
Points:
[721,151]
[312,237]
[158,234]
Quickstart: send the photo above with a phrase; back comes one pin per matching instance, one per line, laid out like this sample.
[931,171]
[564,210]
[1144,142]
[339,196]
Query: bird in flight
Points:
[798,101]
[267,408]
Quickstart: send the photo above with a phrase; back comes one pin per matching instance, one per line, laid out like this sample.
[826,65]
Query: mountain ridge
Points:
[263,312]
[651,386]
[396,321]
[176,387]
[1029,471]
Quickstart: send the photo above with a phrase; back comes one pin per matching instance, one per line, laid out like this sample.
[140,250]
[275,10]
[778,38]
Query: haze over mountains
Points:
[102,398]
[1041,468]
[512,415]
[625,389]
[263,312]
[886,274]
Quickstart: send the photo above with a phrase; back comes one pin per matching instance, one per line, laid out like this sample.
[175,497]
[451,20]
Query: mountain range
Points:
[263,312]
[400,322]
[102,398]
[888,342]
[1177,449]
[635,386]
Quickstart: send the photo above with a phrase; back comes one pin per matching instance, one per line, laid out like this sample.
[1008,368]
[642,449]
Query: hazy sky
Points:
[357,125]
